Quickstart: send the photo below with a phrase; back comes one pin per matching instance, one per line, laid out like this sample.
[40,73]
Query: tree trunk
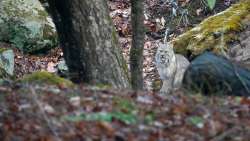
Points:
[89,42]
[136,52]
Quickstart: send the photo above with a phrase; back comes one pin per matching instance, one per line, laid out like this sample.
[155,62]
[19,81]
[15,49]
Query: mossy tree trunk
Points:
[89,41]
[136,52]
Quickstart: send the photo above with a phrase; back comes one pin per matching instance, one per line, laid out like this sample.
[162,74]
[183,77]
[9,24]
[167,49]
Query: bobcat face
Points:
[164,55]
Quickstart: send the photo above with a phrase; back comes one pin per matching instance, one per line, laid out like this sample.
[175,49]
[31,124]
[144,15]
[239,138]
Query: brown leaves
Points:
[51,67]
[245,101]
[175,117]
[107,128]
[121,19]
[25,64]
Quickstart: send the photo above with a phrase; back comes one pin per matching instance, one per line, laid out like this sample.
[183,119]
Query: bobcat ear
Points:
[170,45]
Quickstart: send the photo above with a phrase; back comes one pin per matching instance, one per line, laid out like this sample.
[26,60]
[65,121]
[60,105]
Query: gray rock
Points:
[213,75]
[26,24]
[6,63]
[240,51]
[62,68]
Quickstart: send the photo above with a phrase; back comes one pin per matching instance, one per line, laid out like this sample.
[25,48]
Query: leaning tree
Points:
[89,41]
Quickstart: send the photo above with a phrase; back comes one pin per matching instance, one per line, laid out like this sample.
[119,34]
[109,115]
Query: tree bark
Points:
[89,42]
[136,52]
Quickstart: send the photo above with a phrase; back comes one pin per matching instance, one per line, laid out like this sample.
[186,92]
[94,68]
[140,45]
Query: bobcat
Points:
[171,67]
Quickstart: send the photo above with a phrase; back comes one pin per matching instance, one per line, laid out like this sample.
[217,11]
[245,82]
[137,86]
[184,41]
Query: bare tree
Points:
[136,52]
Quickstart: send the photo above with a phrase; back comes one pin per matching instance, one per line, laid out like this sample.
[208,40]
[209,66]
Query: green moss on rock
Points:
[215,32]
[48,78]
[4,74]
[6,63]
[27,26]
[2,50]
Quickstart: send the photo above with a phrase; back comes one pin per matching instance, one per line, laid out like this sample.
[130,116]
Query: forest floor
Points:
[50,113]
[46,112]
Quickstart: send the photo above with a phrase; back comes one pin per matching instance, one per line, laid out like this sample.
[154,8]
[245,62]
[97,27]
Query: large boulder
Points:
[6,63]
[216,33]
[26,24]
[240,51]
[62,68]
[213,75]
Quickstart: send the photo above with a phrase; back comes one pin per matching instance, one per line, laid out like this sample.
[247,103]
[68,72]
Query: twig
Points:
[46,118]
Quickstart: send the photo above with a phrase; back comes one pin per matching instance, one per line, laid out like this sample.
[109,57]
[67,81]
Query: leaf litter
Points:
[32,112]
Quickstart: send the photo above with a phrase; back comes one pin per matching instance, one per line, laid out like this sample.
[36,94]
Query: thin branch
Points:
[46,118]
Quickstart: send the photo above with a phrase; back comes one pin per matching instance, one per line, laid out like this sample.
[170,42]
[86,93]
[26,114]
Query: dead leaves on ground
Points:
[37,113]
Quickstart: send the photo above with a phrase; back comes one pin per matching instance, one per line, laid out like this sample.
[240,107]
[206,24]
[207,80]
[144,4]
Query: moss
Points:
[3,49]
[124,105]
[3,74]
[48,32]
[48,78]
[214,32]
[42,13]
[26,26]
[125,68]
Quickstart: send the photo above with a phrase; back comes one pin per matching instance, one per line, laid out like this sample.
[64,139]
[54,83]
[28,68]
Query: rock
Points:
[47,78]
[239,52]
[62,68]
[25,24]
[212,75]
[6,63]
[215,33]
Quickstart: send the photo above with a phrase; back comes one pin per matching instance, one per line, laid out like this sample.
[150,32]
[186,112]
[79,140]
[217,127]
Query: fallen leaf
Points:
[51,67]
